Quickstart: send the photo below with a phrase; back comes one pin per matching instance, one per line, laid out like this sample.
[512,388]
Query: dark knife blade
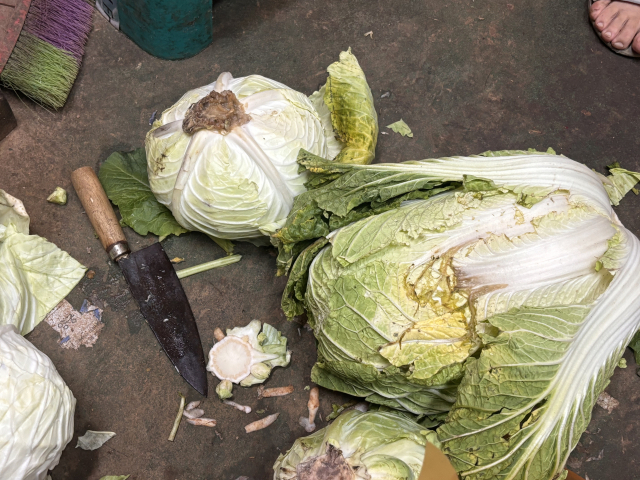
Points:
[157,289]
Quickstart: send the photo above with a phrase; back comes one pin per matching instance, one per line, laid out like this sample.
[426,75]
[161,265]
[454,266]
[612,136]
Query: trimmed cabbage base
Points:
[247,355]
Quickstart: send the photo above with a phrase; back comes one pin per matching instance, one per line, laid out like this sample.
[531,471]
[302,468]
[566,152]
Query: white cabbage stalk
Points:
[247,356]
[237,184]
[36,409]
[358,446]
[34,274]
[548,282]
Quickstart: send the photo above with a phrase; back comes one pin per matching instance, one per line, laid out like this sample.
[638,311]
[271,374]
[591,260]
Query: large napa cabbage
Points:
[223,158]
[502,289]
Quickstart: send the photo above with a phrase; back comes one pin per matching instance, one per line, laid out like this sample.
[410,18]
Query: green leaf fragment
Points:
[125,180]
[401,127]
[59,196]
[622,363]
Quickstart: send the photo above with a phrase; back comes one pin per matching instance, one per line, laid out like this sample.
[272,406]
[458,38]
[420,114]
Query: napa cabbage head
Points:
[506,283]
[371,446]
[34,274]
[223,158]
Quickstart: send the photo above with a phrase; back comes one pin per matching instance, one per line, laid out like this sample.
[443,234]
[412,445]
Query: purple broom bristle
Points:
[65,24]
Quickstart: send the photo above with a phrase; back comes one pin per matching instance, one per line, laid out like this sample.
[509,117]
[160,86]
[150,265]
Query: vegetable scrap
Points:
[242,408]
[177,260]
[274,392]
[246,355]
[59,196]
[224,389]
[92,440]
[193,413]
[369,34]
[607,402]
[115,477]
[203,267]
[262,423]
[76,328]
[176,423]
[192,405]
[202,422]
[218,335]
[401,127]
[312,405]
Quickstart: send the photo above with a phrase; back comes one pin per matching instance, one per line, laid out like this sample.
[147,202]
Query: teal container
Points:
[168,29]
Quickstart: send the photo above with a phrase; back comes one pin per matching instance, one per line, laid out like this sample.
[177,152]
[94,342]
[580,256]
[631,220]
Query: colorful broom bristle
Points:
[46,58]
[65,24]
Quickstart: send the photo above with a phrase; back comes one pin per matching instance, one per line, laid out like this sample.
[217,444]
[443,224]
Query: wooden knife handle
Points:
[100,212]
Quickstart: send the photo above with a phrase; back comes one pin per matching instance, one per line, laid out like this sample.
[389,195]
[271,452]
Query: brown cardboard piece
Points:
[436,466]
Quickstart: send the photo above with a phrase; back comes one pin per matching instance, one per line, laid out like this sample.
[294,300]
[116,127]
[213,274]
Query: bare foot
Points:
[619,23]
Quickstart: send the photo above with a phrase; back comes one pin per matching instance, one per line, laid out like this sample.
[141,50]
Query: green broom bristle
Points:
[41,71]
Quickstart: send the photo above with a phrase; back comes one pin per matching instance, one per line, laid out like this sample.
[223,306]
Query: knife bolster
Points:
[118,249]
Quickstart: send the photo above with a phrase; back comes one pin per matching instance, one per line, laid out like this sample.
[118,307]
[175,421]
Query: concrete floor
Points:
[466,75]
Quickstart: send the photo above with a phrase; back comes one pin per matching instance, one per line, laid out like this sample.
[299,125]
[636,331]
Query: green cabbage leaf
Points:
[34,274]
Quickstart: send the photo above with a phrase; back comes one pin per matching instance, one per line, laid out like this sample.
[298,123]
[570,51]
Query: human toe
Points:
[614,27]
[625,36]
[607,16]
[597,8]
[636,44]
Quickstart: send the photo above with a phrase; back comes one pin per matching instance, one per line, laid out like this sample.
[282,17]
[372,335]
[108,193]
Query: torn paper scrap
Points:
[76,327]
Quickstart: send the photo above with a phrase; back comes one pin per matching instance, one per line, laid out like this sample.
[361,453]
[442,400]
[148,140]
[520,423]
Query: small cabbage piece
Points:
[223,158]
[520,248]
[247,355]
[36,409]
[371,446]
[34,274]
[224,389]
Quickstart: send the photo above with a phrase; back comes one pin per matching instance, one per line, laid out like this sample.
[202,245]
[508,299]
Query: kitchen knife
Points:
[152,280]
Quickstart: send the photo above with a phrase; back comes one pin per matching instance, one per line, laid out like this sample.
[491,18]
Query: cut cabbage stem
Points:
[262,423]
[176,423]
[202,422]
[203,267]
[274,392]
[218,334]
[313,405]
[242,408]
[193,413]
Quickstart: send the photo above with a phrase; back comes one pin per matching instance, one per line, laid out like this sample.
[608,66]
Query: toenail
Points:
[607,34]
[618,45]
[600,24]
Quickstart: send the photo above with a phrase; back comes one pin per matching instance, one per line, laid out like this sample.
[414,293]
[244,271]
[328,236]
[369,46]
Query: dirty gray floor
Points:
[467,76]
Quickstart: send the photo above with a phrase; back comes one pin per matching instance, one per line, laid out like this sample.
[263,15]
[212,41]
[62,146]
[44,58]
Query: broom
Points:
[41,47]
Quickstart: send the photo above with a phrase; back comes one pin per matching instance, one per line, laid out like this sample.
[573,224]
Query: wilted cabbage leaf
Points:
[34,274]
[372,445]
[36,409]
[519,282]
[401,127]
